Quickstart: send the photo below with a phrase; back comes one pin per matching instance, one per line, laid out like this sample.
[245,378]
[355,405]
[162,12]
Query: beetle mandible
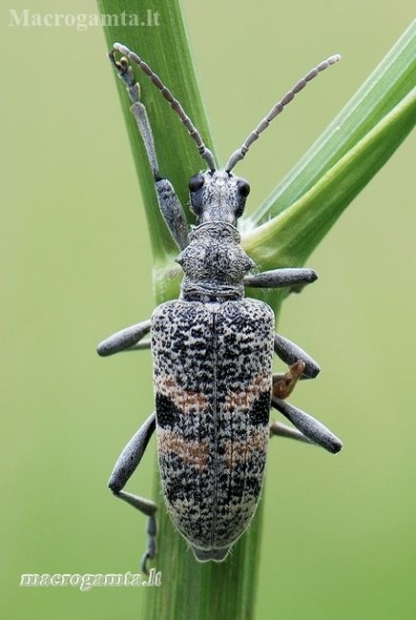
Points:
[212,352]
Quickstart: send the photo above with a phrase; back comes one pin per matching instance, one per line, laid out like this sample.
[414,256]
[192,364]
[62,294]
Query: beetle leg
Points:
[126,464]
[281,430]
[125,339]
[296,278]
[290,353]
[308,426]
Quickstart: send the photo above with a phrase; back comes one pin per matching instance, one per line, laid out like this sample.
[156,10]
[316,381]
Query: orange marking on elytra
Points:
[186,401]
[194,452]
[246,398]
[240,451]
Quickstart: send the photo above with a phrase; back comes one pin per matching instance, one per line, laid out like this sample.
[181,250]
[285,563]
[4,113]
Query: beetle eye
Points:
[243,188]
[196,182]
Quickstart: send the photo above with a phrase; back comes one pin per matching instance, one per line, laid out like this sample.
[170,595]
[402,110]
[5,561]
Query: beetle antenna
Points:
[174,103]
[277,109]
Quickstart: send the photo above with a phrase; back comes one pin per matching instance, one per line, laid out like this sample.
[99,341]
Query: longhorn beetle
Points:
[212,352]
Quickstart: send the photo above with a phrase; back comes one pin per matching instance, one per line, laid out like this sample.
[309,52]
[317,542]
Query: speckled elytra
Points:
[212,353]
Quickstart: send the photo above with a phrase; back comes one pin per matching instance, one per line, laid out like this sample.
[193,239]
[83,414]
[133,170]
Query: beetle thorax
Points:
[214,263]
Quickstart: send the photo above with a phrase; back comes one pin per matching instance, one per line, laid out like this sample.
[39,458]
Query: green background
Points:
[339,532]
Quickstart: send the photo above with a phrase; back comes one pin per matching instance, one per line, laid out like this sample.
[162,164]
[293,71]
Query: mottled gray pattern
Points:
[214,263]
[212,374]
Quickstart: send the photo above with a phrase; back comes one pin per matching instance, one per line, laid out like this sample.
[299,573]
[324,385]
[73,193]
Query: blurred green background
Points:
[340,537]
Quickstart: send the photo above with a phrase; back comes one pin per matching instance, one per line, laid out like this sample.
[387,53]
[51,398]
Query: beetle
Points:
[212,352]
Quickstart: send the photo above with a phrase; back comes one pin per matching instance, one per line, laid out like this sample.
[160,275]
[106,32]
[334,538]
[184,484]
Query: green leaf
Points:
[302,209]
[289,238]
[387,86]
